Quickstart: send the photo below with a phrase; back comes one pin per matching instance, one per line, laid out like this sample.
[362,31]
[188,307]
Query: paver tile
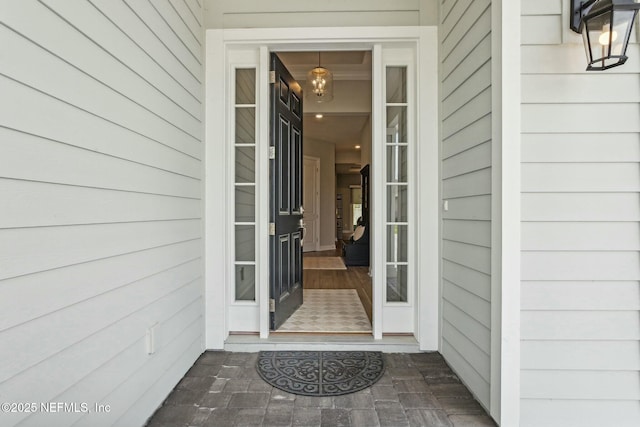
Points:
[223,389]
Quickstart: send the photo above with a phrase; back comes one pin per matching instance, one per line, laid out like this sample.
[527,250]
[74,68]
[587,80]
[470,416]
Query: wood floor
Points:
[352,278]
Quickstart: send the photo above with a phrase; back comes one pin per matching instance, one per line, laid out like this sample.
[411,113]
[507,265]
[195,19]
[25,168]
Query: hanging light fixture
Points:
[606,27]
[319,84]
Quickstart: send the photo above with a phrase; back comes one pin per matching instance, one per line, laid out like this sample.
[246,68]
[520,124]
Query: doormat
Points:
[320,373]
[323,263]
[329,311]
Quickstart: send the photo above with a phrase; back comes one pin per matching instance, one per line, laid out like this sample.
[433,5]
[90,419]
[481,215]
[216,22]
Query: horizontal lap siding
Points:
[466,186]
[329,13]
[101,225]
[580,231]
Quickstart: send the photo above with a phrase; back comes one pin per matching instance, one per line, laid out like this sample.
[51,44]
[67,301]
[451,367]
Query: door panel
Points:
[283,153]
[286,195]
[296,184]
[297,257]
[284,274]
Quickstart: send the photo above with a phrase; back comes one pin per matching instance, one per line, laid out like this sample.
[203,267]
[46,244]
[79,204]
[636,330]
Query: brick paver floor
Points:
[224,389]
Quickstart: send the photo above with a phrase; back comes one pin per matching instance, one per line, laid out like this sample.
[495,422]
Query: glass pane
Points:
[397,243]
[245,125]
[397,164]
[246,86]
[599,34]
[623,19]
[245,164]
[245,283]
[245,204]
[397,283]
[245,243]
[396,125]
[397,204]
[396,84]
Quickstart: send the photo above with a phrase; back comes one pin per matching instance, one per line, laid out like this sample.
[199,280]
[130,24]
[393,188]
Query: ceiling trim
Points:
[300,73]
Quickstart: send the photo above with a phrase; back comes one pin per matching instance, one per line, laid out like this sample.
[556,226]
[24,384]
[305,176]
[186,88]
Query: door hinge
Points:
[272,152]
[272,229]
[272,76]
[272,305]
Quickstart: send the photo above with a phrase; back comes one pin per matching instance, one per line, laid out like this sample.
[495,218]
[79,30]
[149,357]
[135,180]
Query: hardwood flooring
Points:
[352,278]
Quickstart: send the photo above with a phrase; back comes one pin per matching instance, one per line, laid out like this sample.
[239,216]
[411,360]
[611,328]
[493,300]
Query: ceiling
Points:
[339,126]
[344,130]
[345,65]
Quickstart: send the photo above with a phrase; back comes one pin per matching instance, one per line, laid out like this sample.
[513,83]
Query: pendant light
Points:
[319,84]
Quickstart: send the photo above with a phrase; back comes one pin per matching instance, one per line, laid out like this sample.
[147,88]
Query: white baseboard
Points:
[328,247]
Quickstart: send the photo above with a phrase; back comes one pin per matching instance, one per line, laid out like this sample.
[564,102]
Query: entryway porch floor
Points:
[224,389]
[322,342]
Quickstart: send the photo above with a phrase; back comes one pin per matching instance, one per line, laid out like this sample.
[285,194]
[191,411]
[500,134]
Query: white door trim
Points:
[505,218]
[377,190]
[424,41]
[316,191]
[428,182]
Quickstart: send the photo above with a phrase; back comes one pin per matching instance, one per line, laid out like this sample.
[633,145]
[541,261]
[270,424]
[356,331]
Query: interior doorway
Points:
[336,146]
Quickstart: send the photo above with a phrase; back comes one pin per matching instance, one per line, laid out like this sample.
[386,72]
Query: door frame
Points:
[424,41]
[316,162]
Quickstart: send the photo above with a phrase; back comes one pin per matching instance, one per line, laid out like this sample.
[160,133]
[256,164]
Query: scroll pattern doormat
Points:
[320,373]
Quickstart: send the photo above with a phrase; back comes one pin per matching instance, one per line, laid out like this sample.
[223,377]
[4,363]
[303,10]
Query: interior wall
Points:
[580,289]
[327,153]
[465,90]
[100,225]
[331,13]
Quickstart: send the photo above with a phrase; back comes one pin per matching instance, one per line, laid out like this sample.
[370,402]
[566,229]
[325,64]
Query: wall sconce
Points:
[606,27]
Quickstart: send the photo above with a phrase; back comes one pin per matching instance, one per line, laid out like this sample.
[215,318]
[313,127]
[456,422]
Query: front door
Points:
[285,145]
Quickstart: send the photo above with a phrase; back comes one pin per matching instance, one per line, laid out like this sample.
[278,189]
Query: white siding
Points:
[100,224]
[580,230]
[328,13]
[465,37]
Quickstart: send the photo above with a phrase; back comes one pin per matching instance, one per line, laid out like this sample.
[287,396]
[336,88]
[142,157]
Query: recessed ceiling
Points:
[345,65]
[354,57]
[344,130]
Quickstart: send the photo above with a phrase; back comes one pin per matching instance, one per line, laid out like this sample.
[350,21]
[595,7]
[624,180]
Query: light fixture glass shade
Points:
[319,85]
[605,32]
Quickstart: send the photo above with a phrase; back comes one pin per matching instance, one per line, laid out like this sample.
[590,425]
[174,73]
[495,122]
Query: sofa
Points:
[356,250]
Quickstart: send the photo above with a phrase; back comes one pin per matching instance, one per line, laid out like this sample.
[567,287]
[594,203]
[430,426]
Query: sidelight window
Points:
[244,141]
[397,185]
